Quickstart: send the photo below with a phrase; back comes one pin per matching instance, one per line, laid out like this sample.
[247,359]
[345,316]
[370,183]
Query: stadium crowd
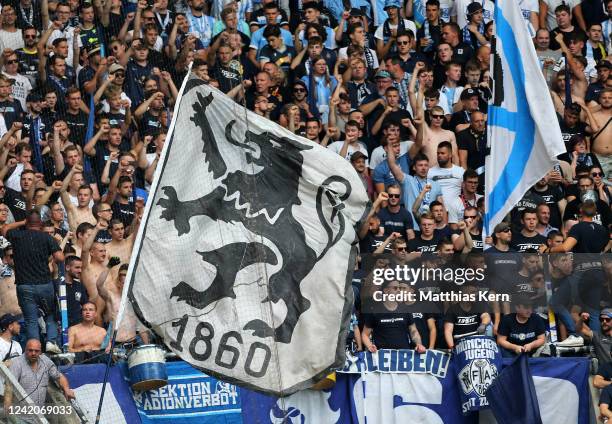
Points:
[398,88]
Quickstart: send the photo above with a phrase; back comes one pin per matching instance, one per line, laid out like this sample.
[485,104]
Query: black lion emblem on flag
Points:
[262,202]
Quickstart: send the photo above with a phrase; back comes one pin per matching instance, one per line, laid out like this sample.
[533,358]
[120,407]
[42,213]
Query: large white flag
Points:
[523,131]
[244,263]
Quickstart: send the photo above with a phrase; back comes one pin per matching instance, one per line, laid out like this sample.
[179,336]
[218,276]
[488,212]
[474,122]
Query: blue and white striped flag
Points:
[523,132]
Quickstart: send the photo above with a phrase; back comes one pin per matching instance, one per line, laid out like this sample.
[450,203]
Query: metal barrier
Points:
[54,398]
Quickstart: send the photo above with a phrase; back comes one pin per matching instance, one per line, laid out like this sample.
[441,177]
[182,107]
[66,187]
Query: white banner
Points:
[244,263]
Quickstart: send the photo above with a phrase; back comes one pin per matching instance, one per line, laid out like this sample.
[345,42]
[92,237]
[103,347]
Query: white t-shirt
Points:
[456,208]
[528,6]
[379,154]
[5,347]
[461,11]
[68,33]
[551,20]
[407,24]
[336,146]
[21,88]
[450,180]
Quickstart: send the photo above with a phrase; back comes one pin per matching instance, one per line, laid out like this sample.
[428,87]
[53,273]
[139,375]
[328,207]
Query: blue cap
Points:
[391,3]
[606,312]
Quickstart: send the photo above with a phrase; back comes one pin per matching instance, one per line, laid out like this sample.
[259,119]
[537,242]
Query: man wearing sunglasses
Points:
[602,342]
[395,218]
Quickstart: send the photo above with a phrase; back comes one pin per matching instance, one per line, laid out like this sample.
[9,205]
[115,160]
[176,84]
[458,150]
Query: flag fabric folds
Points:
[524,137]
[512,395]
[244,262]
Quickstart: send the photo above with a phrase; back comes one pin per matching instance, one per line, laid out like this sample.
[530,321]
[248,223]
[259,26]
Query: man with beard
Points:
[601,141]
[448,175]
[548,58]
[553,196]
[76,293]
[200,23]
[28,55]
[544,228]
[602,342]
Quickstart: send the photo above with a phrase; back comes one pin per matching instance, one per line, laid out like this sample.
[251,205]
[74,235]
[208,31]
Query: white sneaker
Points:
[572,341]
[52,348]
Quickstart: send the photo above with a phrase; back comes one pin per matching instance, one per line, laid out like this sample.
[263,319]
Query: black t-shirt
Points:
[605,370]
[149,123]
[76,296]
[28,65]
[371,242]
[12,111]
[501,268]
[521,334]
[226,76]
[529,201]
[459,118]
[16,203]
[31,251]
[476,146]
[462,52]
[591,237]
[521,285]
[420,320]
[390,330]
[417,244]
[572,211]
[103,236]
[522,243]
[465,322]
[395,222]
[124,211]
[78,127]
[606,396]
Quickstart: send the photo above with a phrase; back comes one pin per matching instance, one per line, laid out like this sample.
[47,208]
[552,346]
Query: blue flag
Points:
[512,395]
[523,132]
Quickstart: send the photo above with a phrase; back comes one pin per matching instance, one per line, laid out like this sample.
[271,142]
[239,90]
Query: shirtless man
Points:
[86,336]
[82,212]
[8,290]
[93,258]
[111,291]
[434,134]
[601,141]
[82,234]
[121,246]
